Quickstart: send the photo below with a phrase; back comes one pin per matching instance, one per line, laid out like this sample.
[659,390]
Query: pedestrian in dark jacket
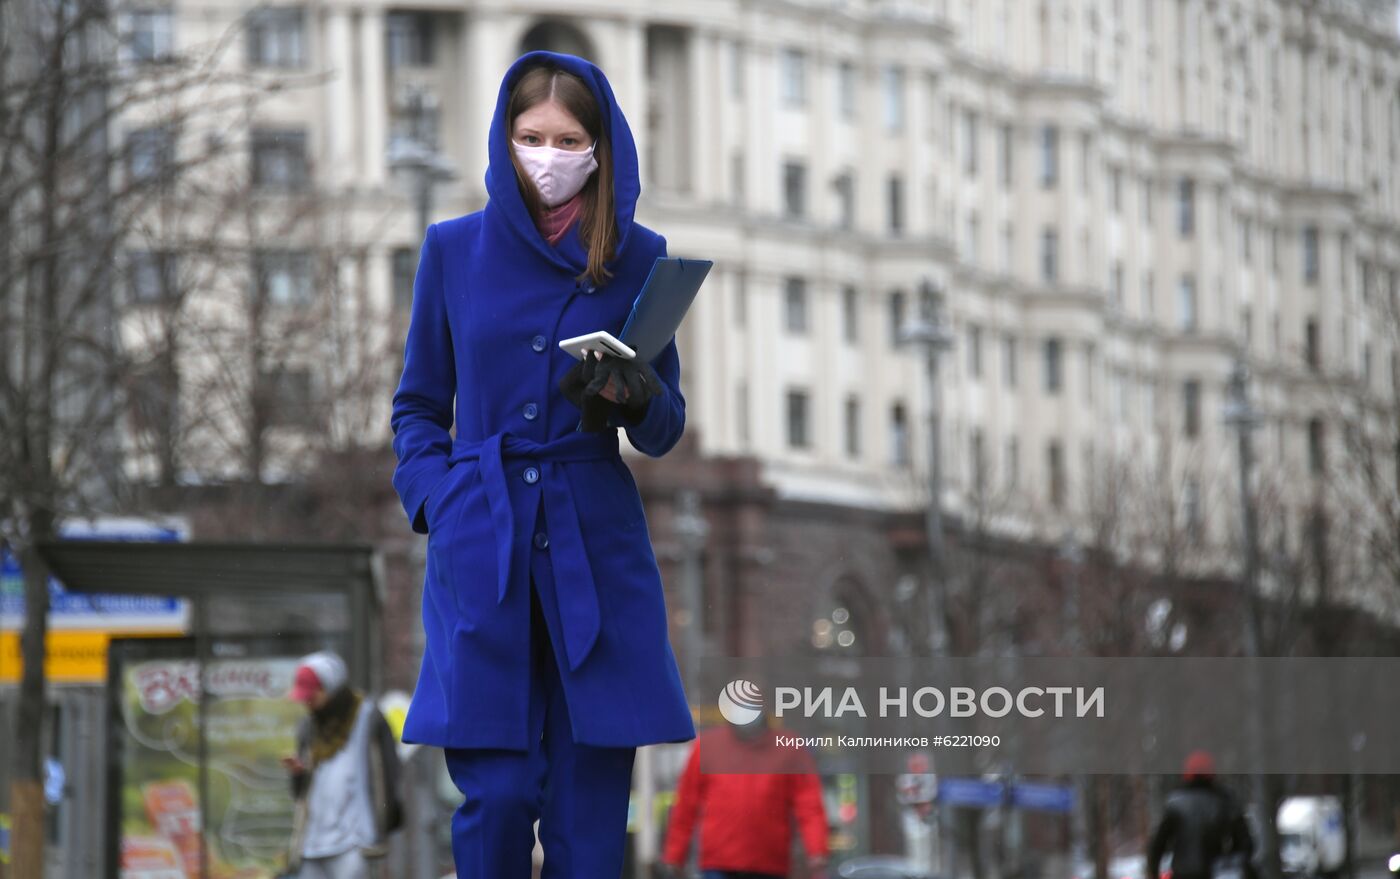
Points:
[1201,823]
[547,660]
[345,775]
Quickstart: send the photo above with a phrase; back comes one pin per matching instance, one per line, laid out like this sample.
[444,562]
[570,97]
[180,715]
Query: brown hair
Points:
[597,223]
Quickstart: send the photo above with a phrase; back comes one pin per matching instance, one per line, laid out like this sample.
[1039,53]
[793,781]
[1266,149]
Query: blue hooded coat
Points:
[518,491]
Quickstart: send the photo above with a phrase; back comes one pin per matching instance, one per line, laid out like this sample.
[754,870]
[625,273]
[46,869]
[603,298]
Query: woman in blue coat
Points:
[547,661]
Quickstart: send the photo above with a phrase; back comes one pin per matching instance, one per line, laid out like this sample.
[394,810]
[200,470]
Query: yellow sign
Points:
[70,657]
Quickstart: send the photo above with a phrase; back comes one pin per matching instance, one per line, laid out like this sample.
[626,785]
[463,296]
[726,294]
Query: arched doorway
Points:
[557,35]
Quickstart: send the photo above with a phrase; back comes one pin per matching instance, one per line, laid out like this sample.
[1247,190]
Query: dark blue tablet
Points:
[665,298]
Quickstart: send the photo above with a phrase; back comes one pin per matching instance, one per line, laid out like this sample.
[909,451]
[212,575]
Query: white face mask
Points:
[558,174]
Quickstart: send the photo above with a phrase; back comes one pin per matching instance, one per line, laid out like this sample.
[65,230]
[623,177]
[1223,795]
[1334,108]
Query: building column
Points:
[340,108]
[374,140]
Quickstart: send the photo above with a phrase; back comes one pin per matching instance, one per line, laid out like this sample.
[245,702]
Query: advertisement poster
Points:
[250,726]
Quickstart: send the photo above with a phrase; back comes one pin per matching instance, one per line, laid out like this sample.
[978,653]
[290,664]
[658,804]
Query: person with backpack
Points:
[345,775]
[1202,827]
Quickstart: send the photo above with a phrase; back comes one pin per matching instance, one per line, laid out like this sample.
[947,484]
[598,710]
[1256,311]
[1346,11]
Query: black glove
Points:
[637,382]
[582,385]
[577,378]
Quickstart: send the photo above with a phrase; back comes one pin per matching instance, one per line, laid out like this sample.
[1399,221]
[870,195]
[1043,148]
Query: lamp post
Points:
[414,155]
[931,334]
[1240,414]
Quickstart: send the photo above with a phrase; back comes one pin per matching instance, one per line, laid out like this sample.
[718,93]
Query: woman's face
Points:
[549,124]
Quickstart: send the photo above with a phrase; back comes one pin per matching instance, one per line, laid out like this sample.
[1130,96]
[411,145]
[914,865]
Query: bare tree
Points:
[147,329]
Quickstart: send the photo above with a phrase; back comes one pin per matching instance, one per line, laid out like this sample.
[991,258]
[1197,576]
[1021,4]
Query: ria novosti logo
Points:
[740,702]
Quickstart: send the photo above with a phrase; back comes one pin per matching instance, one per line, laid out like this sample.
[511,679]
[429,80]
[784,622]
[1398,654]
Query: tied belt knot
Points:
[574,585]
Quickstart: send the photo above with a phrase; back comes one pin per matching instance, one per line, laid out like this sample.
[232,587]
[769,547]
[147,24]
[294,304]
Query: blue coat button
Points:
[541,540]
[532,475]
[538,343]
[531,410]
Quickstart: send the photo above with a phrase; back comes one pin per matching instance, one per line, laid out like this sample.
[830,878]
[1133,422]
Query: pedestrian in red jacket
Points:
[746,817]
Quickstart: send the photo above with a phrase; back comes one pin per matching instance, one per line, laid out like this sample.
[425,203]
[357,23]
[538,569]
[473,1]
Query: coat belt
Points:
[574,584]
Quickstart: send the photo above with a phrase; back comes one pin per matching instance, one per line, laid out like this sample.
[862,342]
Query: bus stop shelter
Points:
[191,729]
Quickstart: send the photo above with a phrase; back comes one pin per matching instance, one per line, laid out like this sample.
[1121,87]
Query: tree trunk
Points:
[27,778]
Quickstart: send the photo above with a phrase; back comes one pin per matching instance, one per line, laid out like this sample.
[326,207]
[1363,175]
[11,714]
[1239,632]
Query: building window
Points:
[1147,200]
[979,462]
[410,39]
[1149,294]
[797,419]
[277,37]
[279,159]
[1311,270]
[1006,155]
[1008,247]
[846,90]
[1085,154]
[1049,156]
[974,352]
[152,397]
[1009,358]
[741,299]
[1115,284]
[736,176]
[794,189]
[1186,304]
[1191,408]
[403,269]
[736,69]
[973,236]
[284,277]
[1312,344]
[970,143]
[287,397]
[850,314]
[1246,240]
[150,154]
[1317,462]
[845,187]
[1191,509]
[1055,470]
[1012,464]
[894,98]
[794,77]
[741,403]
[1049,255]
[152,34]
[1115,190]
[1186,207]
[1053,366]
[899,436]
[896,315]
[151,276]
[853,427]
[895,199]
[795,305]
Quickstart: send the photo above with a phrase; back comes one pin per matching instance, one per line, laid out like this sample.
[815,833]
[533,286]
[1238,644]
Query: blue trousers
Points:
[578,793]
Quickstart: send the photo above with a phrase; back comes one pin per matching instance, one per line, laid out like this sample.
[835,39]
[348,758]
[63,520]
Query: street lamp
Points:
[1240,414]
[415,156]
[929,331]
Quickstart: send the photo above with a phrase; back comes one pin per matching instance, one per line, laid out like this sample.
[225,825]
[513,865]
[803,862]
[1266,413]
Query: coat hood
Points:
[505,204]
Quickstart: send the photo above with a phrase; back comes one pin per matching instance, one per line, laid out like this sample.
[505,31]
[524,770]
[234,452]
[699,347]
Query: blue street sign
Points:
[969,792]
[1043,797]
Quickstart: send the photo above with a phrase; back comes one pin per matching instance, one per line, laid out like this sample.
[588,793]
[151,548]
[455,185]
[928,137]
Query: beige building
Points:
[1115,196]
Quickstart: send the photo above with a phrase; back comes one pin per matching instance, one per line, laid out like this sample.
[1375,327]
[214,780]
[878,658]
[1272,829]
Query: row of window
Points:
[285,397]
[276,37]
[278,156]
[284,278]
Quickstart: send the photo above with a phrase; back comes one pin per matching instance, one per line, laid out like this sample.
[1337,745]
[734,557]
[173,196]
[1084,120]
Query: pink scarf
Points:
[555,221]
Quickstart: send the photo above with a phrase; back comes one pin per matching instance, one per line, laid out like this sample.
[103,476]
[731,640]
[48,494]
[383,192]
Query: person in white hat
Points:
[344,775]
